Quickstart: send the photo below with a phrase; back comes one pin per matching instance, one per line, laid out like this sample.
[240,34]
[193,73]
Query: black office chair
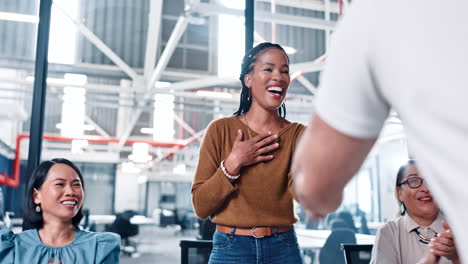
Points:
[331,250]
[196,258]
[357,254]
[126,229]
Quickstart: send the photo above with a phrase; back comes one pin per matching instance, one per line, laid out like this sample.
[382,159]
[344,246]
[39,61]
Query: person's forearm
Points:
[318,196]
[324,162]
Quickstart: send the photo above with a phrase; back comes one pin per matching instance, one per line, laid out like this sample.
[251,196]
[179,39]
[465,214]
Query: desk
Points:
[97,219]
[109,219]
[315,239]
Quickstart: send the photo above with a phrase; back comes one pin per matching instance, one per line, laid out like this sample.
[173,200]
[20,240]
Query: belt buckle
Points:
[253,233]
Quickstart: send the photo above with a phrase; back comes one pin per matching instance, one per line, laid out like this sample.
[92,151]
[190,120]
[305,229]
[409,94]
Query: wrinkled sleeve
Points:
[7,246]
[350,97]
[108,249]
[210,187]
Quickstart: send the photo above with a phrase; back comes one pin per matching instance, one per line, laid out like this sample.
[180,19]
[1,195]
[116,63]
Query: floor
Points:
[158,245]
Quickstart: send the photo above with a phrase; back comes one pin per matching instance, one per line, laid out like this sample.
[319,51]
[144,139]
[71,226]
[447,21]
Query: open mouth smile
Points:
[276,91]
[70,203]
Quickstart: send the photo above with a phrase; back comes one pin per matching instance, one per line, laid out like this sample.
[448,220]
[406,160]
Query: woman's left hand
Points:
[444,245]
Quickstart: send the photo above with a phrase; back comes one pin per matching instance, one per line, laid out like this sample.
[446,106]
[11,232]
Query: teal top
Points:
[86,247]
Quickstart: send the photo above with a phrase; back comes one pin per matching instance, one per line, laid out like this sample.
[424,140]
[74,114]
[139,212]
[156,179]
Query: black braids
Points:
[247,66]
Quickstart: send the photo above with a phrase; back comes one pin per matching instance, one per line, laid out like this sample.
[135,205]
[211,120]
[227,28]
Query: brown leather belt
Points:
[258,232]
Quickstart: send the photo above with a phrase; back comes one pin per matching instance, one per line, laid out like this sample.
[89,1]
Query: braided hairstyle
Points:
[247,67]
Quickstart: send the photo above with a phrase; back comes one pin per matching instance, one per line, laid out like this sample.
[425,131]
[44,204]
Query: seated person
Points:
[339,224]
[407,239]
[341,233]
[51,214]
[347,217]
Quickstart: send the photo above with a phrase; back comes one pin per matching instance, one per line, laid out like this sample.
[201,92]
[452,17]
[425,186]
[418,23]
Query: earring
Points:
[402,208]
[38,208]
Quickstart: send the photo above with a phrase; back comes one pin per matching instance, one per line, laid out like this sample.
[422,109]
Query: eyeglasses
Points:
[413,182]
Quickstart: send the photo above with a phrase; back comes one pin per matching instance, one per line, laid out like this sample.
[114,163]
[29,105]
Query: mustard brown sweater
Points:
[262,196]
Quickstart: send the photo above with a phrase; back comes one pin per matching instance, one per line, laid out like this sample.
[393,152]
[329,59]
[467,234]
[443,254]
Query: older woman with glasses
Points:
[420,234]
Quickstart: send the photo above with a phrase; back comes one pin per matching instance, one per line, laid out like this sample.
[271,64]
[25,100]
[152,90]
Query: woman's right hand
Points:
[248,152]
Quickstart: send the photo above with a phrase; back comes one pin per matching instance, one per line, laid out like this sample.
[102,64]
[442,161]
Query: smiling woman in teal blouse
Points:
[51,214]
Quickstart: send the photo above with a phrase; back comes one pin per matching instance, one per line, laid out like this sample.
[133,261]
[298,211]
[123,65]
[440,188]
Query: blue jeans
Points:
[281,248]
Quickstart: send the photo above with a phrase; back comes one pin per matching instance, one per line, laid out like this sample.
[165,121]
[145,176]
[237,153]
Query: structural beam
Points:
[19,17]
[40,87]
[291,20]
[307,84]
[99,129]
[316,65]
[152,39]
[313,66]
[296,21]
[249,24]
[187,128]
[176,34]
[102,88]
[316,5]
[96,41]
[200,83]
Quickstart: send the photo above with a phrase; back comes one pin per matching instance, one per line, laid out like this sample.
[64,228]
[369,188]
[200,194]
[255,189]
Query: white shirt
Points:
[411,56]
[397,242]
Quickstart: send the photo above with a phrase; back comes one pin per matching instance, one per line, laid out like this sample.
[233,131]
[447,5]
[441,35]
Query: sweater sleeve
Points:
[291,187]
[211,188]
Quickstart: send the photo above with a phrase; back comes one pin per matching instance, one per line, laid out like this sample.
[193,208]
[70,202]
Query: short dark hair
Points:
[32,219]
[399,178]
[247,66]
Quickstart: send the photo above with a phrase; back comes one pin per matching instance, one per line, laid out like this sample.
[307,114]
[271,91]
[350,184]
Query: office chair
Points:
[331,250]
[357,254]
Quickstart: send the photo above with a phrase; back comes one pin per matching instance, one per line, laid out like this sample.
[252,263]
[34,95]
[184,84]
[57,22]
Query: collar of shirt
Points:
[436,226]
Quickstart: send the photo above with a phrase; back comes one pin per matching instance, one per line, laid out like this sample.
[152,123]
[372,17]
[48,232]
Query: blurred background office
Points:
[130,87]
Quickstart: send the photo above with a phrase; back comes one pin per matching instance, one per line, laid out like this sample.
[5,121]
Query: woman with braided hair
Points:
[243,181]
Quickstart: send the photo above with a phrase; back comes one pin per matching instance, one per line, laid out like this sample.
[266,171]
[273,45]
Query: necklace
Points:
[423,239]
